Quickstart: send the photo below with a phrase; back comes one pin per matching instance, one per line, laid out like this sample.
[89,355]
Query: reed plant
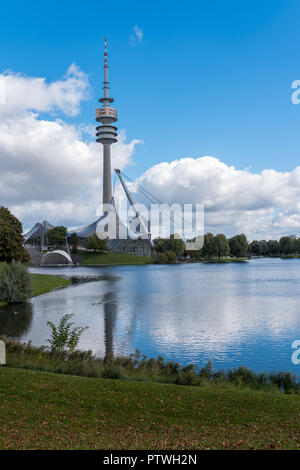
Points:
[138,367]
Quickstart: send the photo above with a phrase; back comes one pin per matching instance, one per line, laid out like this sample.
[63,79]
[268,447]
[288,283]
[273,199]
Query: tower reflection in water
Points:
[110,314]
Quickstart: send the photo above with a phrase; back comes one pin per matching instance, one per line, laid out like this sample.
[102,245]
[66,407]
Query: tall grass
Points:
[138,367]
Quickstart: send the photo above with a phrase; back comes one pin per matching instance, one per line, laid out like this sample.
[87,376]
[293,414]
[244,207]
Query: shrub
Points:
[111,372]
[169,257]
[172,368]
[15,283]
[207,371]
[63,338]
[186,378]
[285,381]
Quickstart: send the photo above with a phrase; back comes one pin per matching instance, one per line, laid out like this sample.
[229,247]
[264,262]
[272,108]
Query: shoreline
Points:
[138,367]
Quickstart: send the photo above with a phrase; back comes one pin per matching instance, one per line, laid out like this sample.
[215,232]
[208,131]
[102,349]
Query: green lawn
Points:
[114,259]
[40,410]
[42,283]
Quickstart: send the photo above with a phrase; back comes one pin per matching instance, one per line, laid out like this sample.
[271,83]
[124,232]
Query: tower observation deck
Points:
[106,134]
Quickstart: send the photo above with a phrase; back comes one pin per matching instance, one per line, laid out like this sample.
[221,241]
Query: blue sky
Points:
[209,78]
[199,79]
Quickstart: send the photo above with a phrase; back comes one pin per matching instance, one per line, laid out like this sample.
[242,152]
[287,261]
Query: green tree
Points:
[287,245]
[174,243]
[160,244]
[209,248]
[96,244]
[255,248]
[297,245]
[57,235]
[264,247]
[74,242]
[273,247]
[238,245]
[222,245]
[11,238]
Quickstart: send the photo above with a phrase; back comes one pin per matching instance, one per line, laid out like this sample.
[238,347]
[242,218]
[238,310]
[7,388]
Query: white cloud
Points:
[262,205]
[34,93]
[136,35]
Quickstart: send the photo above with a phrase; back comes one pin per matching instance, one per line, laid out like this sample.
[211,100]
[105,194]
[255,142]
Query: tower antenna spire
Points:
[105,54]
[105,84]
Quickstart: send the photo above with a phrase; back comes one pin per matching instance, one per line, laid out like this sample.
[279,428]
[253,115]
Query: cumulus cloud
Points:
[262,205]
[24,93]
[136,35]
[48,169]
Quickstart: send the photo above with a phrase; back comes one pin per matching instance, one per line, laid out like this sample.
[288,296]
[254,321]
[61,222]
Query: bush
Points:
[207,371]
[112,372]
[15,283]
[64,339]
[186,378]
[285,381]
[96,244]
[169,257]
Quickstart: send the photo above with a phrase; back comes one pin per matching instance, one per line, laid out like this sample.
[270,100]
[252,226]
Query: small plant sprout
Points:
[64,338]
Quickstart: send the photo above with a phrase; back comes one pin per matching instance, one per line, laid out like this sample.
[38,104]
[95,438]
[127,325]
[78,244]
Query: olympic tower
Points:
[106,134]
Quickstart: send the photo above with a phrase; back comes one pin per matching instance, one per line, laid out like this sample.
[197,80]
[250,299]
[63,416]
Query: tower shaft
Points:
[107,191]
[106,134]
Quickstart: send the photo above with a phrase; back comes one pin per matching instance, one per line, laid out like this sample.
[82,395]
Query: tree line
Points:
[215,246]
[287,245]
[219,246]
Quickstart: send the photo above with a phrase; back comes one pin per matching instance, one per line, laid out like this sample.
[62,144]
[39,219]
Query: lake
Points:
[233,314]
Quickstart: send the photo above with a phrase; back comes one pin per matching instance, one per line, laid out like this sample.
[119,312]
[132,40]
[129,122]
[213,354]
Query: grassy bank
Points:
[127,259]
[113,259]
[138,367]
[42,283]
[72,412]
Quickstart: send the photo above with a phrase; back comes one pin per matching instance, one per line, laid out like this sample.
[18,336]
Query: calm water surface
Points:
[234,314]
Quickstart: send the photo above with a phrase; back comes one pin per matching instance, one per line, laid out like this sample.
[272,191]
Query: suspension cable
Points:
[152,199]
